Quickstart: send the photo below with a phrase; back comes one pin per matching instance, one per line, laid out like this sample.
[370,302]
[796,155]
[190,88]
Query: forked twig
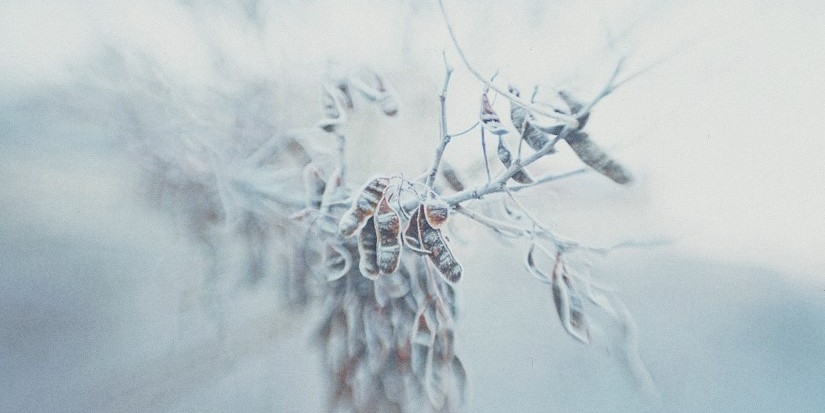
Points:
[570,120]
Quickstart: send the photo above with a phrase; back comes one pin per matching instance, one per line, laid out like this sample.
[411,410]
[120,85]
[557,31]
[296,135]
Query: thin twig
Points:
[546,178]
[445,137]
[570,120]
[484,151]
[465,131]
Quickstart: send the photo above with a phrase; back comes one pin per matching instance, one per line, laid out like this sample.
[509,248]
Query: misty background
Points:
[104,299]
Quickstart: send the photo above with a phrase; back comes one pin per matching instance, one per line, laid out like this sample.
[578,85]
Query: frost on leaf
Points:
[363,207]
[506,159]
[388,226]
[367,250]
[595,157]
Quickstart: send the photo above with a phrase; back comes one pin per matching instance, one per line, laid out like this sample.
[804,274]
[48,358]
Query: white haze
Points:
[101,296]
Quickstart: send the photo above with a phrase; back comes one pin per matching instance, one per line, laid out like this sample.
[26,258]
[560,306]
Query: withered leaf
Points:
[489,119]
[336,259]
[570,309]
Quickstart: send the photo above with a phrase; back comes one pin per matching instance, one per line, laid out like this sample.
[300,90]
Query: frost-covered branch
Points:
[445,137]
[570,120]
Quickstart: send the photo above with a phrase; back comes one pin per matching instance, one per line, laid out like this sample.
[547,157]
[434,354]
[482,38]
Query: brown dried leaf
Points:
[489,119]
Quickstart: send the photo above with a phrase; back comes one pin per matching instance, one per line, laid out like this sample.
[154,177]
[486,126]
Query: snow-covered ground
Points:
[103,300]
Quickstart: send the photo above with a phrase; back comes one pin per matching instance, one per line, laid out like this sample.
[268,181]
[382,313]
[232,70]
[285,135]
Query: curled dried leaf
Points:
[331,110]
[388,105]
[457,368]
[368,250]
[534,137]
[490,120]
[412,232]
[363,207]
[373,87]
[595,157]
[346,96]
[570,308]
[533,268]
[336,259]
[314,185]
[436,211]
[388,226]
[506,158]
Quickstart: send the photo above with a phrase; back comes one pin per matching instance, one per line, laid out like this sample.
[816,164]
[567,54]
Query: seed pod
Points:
[506,158]
[440,253]
[569,307]
[451,177]
[412,233]
[594,156]
[535,138]
[489,118]
[368,250]
[436,211]
[388,226]
[363,207]
[314,185]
